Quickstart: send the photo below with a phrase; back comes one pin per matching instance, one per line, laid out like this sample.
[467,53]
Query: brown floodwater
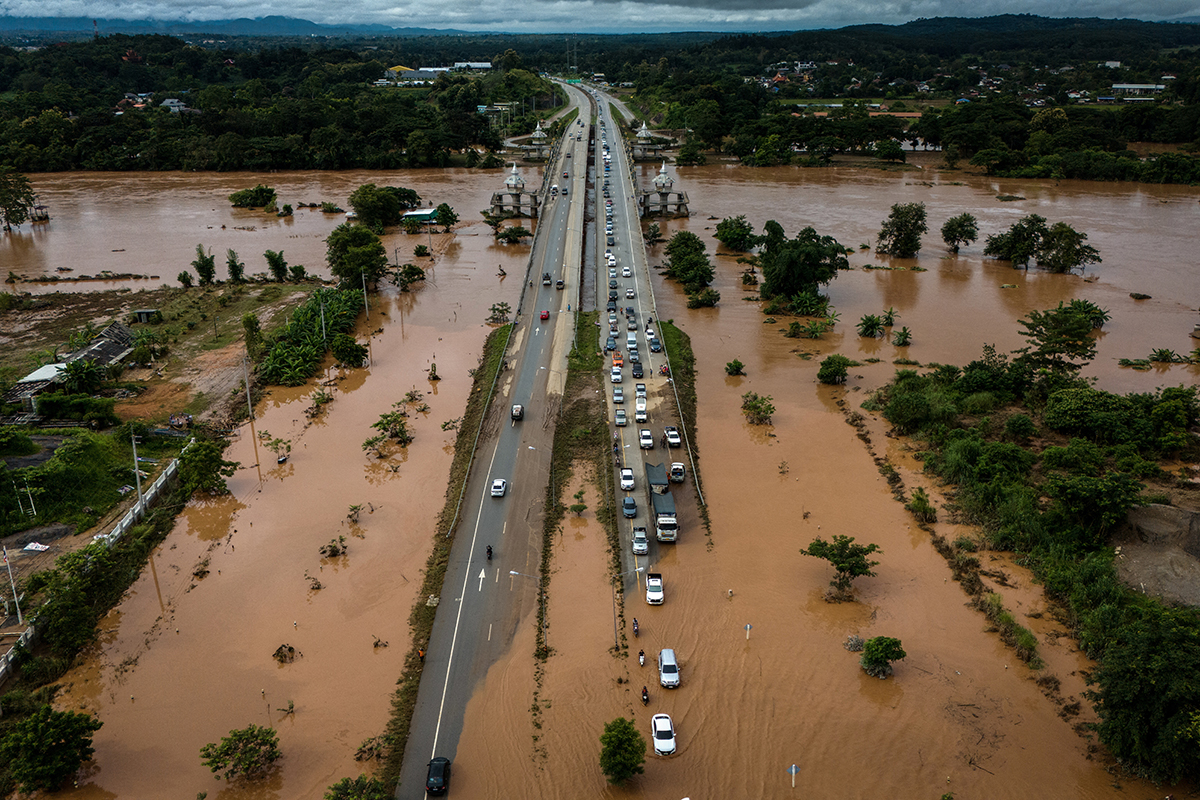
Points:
[183,660]
[961,714]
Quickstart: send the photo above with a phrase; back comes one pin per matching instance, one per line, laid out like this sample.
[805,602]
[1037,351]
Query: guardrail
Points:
[108,539]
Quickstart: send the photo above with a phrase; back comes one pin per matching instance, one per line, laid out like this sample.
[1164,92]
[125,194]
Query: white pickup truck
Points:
[654,588]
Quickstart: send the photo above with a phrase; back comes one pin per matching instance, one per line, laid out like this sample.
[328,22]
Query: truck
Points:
[672,434]
[654,588]
[666,528]
[677,473]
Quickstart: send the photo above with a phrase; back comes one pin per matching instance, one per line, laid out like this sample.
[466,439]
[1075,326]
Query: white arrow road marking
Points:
[482,575]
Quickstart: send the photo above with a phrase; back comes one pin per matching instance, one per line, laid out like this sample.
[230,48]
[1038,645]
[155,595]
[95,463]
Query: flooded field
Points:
[961,714]
[185,659]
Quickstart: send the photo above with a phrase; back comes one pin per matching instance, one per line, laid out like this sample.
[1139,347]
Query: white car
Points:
[645,439]
[626,273]
[640,390]
[663,733]
[626,480]
[620,418]
[654,589]
[618,395]
[629,293]
[499,487]
[615,376]
[641,544]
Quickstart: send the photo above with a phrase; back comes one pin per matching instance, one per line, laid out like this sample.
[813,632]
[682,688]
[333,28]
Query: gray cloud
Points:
[536,16]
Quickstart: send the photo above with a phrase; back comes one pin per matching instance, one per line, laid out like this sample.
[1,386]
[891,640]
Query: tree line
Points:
[65,108]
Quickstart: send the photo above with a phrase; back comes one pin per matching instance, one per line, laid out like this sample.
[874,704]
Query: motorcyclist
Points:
[489,552]
[645,696]
[635,626]
[642,657]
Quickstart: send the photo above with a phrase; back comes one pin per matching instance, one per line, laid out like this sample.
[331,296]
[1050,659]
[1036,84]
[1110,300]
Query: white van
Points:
[631,340]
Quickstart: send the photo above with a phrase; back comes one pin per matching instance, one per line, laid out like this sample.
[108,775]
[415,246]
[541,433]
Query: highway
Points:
[481,603]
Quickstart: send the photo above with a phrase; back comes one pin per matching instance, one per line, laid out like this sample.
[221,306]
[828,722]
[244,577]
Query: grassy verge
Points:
[421,617]
[677,346]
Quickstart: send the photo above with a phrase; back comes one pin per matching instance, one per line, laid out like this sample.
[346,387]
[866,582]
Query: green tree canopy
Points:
[361,788]
[793,266]
[687,262]
[202,468]
[16,197]
[248,752]
[848,558]
[205,266]
[879,653]
[960,230]
[445,216]
[1060,340]
[902,230]
[736,233]
[353,252]
[622,751]
[82,376]
[45,748]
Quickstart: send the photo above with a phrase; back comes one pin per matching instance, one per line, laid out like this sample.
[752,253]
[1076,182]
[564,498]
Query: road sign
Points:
[792,770]
[748,627]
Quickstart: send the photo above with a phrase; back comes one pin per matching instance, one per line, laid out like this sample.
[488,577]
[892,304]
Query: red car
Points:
[545,315]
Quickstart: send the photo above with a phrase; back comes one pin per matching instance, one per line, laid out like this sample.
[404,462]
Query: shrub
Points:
[879,653]
[1019,427]
[834,369]
[735,367]
[921,507]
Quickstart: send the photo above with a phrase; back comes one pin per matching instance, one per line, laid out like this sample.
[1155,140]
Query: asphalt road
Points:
[482,603]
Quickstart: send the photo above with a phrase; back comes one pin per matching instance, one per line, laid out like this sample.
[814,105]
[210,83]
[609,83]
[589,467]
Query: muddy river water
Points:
[185,659]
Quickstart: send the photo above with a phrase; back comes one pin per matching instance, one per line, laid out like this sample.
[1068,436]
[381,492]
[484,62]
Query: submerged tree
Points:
[248,752]
[795,266]
[878,655]
[736,233]
[848,559]
[960,230]
[622,751]
[43,749]
[902,230]
[16,197]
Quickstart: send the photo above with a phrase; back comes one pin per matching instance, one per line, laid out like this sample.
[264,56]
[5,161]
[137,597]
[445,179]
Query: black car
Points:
[612,284]
[610,344]
[638,372]
[611,241]
[655,346]
[612,295]
[438,779]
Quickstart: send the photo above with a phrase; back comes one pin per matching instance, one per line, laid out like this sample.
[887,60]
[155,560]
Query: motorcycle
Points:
[641,658]
[489,552]
[635,626]
[645,697]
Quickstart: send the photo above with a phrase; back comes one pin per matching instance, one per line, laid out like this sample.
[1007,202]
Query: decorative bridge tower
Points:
[661,201]
[514,201]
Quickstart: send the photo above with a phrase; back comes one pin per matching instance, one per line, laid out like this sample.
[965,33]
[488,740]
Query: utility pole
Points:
[12,583]
[137,472]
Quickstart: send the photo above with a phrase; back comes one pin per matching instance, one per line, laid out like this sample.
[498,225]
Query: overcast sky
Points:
[550,16]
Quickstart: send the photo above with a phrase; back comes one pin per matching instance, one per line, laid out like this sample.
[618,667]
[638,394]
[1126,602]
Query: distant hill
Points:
[261,26]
